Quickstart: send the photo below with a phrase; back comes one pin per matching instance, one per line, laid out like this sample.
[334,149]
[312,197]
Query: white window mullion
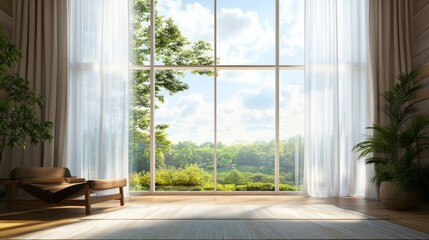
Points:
[152,97]
[215,98]
[277,106]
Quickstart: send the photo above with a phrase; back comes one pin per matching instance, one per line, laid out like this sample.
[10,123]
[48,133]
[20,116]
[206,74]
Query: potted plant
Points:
[394,147]
[19,123]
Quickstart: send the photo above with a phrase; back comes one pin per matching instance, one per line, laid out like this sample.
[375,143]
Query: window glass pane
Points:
[245,132]
[184,32]
[185,105]
[291,32]
[139,155]
[139,32]
[246,32]
[185,132]
[291,130]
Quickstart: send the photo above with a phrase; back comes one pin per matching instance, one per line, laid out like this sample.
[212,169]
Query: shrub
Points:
[134,181]
[166,177]
[208,187]
[226,187]
[257,177]
[234,176]
[194,175]
[287,187]
[196,189]
[139,181]
[194,178]
[260,186]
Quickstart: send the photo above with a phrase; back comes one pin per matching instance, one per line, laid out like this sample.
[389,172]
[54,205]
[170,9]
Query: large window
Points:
[217,94]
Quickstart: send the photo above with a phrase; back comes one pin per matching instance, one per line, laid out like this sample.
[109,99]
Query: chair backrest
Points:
[39,172]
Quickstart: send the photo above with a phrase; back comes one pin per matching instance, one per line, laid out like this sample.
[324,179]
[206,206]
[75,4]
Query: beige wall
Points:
[420,48]
[6,16]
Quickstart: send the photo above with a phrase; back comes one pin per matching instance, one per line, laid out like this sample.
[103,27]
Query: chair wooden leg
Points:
[87,200]
[11,192]
[121,191]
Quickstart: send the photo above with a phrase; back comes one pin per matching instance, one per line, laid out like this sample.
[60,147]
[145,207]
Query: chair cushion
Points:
[104,184]
[51,181]
[39,172]
[54,193]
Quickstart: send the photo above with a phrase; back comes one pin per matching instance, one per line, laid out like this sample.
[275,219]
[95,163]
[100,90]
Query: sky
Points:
[245,98]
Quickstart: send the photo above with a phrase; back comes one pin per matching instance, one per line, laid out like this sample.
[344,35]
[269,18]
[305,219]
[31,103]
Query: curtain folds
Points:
[390,55]
[390,47]
[40,32]
[336,96]
[98,88]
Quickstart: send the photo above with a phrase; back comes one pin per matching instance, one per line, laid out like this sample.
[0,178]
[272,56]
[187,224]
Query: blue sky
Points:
[246,99]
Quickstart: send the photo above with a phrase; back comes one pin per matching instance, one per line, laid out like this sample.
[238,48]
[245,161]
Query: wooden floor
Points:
[25,220]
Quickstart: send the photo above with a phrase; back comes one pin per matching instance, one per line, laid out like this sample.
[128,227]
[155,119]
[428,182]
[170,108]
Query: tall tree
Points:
[171,48]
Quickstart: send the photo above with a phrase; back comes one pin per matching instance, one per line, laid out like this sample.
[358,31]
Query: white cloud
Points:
[292,110]
[194,20]
[240,122]
[249,77]
[258,99]
[242,37]
[249,115]
[190,105]
[292,27]
[190,118]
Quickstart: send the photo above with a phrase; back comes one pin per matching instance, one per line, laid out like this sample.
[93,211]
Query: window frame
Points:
[152,67]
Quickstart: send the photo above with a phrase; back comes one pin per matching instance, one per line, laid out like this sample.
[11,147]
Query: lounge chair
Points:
[57,187]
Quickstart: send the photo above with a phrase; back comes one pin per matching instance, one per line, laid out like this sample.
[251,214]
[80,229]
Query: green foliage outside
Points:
[193,178]
[172,48]
[189,167]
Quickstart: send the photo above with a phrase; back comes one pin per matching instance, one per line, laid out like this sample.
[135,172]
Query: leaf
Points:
[394,147]
[18,121]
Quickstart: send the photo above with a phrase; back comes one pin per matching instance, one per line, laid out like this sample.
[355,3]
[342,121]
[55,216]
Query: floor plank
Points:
[26,220]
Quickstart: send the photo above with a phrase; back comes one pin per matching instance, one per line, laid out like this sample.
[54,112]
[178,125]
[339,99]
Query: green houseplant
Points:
[394,147]
[19,123]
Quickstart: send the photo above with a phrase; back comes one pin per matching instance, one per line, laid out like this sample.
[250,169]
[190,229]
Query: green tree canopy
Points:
[19,123]
[171,48]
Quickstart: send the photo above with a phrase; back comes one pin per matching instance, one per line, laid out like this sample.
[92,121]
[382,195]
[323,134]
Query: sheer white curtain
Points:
[336,44]
[98,88]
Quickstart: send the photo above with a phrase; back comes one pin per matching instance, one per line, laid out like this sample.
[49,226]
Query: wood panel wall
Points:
[420,49]
[420,41]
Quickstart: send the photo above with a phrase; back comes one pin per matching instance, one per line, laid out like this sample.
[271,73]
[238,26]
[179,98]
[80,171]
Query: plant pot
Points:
[395,197]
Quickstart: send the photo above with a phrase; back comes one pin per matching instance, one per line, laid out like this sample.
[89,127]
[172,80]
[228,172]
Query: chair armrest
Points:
[75,180]
[6,182]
